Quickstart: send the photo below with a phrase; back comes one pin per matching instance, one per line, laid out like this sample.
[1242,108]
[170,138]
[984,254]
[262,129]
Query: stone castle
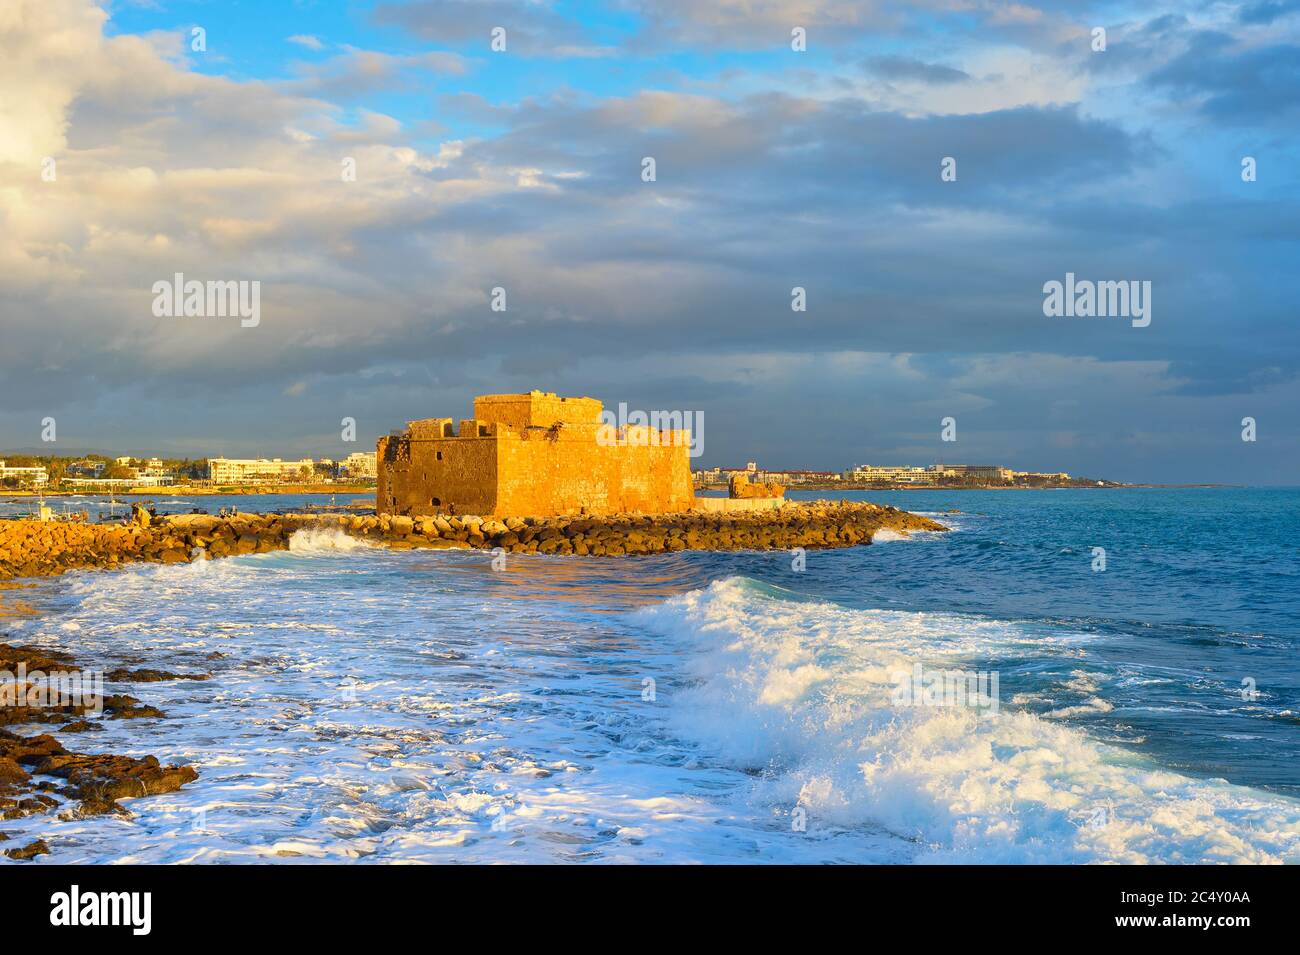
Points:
[534,454]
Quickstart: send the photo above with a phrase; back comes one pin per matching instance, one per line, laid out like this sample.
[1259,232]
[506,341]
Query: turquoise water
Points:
[380,705]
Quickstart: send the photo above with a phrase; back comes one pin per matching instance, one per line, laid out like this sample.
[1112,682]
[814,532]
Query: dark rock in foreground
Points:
[95,782]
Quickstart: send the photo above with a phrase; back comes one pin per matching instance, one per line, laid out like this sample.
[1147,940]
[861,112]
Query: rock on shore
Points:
[92,783]
[32,549]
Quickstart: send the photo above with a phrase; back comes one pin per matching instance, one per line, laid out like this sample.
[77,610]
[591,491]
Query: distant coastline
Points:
[198,490]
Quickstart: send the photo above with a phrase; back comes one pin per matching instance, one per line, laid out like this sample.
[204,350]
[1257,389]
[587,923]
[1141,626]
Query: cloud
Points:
[41,55]
[307,40]
[761,23]
[355,72]
[1233,83]
[907,68]
[924,295]
[1267,11]
[531,29]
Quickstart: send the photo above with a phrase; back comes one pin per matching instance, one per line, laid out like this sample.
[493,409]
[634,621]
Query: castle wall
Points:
[436,475]
[540,472]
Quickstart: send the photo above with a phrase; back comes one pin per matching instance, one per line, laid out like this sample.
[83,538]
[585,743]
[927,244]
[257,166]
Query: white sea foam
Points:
[321,540]
[371,706]
[379,705]
[800,691]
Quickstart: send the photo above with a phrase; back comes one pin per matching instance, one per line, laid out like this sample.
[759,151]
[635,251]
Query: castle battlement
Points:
[533,454]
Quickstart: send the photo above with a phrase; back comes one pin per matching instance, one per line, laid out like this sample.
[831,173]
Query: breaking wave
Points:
[324,540]
[800,695]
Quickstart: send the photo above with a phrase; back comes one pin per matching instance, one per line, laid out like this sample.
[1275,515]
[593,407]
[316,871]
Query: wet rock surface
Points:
[32,765]
[48,661]
[32,849]
[34,700]
[123,675]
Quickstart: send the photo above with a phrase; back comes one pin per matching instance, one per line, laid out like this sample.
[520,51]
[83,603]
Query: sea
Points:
[374,705]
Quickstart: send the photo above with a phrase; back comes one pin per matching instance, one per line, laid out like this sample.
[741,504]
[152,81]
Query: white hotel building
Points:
[361,464]
[254,470]
[893,475]
[33,476]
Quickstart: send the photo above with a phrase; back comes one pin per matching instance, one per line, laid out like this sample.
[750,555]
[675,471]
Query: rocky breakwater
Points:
[31,548]
[810,526]
[42,549]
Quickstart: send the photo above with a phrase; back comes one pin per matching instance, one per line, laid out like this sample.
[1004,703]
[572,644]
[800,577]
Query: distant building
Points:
[32,476]
[752,473]
[973,472]
[153,471]
[1058,476]
[799,477]
[890,475]
[105,484]
[725,474]
[255,470]
[86,469]
[933,474]
[361,464]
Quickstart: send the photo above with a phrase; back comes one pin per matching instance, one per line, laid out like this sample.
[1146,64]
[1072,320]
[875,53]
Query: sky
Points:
[219,140]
